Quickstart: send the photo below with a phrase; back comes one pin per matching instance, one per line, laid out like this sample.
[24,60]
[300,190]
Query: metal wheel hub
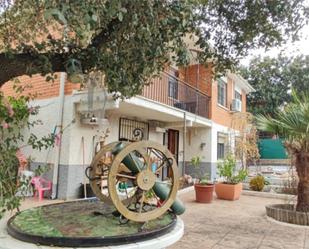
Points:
[146,180]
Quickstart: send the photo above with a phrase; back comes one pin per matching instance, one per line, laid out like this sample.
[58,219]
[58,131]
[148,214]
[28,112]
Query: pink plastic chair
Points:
[40,186]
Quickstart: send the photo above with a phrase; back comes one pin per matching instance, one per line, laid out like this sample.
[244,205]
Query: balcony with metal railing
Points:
[174,92]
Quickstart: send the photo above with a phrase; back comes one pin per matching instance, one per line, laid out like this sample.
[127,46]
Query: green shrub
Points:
[227,170]
[204,179]
[257,183]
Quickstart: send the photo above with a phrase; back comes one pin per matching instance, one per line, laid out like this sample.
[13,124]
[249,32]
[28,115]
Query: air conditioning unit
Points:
[155,123]
[180,105]
[236,105]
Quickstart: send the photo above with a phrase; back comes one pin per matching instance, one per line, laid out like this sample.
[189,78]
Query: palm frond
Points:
[291,122]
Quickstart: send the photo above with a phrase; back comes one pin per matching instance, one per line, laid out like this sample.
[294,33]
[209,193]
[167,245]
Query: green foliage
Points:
[63,221]
[298,73]
[196,161]
[273,79]
[257,183]
[204,178]
[14,117]
[291,122]
[149,195]
[131,41]
[40,170]
[227,170]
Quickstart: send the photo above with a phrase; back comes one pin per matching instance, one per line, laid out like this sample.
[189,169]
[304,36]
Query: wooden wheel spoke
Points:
[126,176]
[155,195]
[158,154]
[142,202]
[145,157]
[149,164]
[149,151]
[134,189]
[163,165]
[107,165]
[124,169]
[160,167]
[126,190]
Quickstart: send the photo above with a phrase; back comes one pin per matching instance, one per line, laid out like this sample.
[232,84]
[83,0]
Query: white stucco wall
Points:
[84,138]
[196,136]
[48,115]
[156,136]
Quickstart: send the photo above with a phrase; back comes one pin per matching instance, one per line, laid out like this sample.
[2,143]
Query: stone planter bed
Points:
[286,213]
[272,188]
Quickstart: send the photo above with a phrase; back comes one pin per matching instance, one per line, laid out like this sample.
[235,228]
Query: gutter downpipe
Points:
[59,128]
[184,142]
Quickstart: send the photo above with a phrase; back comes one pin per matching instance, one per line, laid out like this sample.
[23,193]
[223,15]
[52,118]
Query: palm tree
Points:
[292,123]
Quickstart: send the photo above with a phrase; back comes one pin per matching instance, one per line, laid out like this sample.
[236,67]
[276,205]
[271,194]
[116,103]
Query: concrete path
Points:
[238,224]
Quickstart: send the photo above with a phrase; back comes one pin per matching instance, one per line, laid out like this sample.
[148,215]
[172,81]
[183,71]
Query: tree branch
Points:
[19,64]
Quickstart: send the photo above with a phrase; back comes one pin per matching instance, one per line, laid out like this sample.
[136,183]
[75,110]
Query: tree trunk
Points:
[302,168]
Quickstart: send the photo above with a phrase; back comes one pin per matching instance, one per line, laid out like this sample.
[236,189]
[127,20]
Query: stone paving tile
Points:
[277,244]
[220,247]
[286,236]
[197,241]
[238,224]
[306,242]
[241,241]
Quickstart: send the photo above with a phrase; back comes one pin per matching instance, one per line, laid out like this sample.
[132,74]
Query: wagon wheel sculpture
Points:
[141,179]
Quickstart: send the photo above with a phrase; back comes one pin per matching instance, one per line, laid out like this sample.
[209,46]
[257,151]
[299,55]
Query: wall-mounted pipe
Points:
[59,128]
[184,142]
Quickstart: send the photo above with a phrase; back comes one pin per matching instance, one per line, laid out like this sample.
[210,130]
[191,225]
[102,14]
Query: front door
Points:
[172,142]
[171,139]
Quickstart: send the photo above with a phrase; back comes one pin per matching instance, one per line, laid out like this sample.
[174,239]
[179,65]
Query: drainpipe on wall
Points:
[184,142]
[197,86]
[59,129]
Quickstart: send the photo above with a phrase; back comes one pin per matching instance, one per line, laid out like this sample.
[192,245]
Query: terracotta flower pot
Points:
[228,191]
[204,192]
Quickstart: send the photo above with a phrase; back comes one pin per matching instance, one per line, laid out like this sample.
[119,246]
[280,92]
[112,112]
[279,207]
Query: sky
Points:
[290,49]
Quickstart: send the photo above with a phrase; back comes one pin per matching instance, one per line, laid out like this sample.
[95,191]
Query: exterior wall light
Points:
[202,145]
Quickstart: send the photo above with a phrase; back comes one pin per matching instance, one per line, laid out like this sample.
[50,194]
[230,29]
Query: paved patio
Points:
[225,224]
[239,224]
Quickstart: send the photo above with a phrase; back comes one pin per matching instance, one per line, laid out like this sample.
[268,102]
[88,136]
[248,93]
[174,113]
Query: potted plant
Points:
[204,188]
[231,186]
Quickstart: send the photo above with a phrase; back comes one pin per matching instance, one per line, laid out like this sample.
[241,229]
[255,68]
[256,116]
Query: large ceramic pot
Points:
[204,192]
[228,191]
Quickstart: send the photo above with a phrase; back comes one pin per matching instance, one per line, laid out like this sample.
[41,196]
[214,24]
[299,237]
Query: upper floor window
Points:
[237,95]
[173,85]
[222,93]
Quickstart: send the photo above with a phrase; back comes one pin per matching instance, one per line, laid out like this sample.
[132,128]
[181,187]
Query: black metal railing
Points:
[172,91]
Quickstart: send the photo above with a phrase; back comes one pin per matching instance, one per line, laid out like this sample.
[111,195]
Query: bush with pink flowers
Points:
[14,119]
